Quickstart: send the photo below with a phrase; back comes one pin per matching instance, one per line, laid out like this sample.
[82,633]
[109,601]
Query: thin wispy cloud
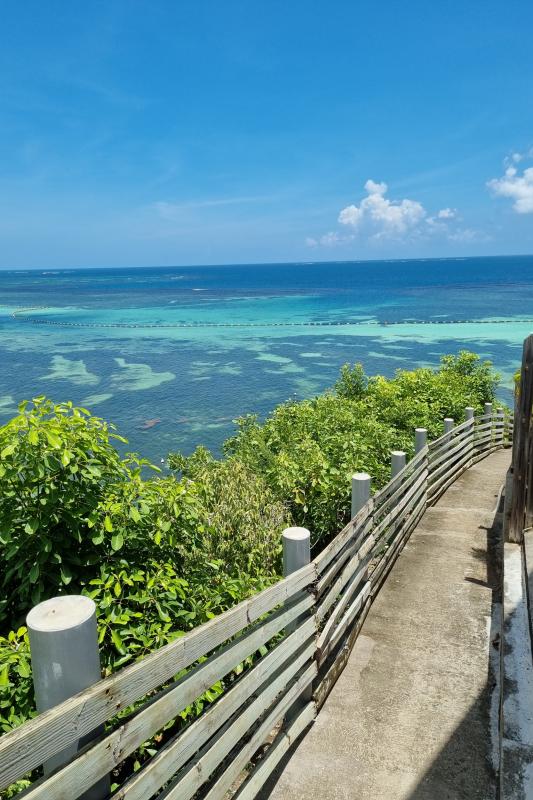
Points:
[172,211]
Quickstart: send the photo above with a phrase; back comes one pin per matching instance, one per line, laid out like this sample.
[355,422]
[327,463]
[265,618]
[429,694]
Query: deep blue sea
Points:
[173,355]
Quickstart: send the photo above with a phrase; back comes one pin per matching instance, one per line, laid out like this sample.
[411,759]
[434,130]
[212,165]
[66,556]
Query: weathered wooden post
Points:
[470,417]
[521,496]
[360,491]
[397,460]
[421,438]
[65,660]
[500,425]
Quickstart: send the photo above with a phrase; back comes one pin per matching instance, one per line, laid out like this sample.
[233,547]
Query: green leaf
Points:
[117,641]
[117,541]
[108,525]
[33,437]
[53,439]
[23,669]
[31,526]
[134,514]
[7,451]
[34,572]
[66,574]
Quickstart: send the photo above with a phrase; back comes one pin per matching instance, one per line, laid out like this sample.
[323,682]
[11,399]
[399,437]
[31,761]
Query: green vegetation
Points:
[306,452]
[162,554]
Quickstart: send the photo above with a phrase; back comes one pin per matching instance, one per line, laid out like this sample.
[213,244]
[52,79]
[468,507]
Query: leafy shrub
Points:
[56,464]
[306,452]
[161,555]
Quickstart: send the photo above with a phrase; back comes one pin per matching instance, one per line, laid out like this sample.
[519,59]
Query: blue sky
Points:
[163,132]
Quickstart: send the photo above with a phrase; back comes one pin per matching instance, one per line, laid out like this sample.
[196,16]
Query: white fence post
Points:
[421,438]
[65,660]
[296,549]
[469,413]
[397,461]
[488,409]
[296,554]
[360,491]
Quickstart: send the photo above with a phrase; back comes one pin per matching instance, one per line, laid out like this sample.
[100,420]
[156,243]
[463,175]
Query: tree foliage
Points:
[162,554]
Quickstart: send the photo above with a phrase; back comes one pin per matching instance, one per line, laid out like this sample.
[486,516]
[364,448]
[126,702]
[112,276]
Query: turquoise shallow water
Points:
[173,355]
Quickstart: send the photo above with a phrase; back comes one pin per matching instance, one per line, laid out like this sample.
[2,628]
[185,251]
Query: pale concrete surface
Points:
[517,741]
[410,716]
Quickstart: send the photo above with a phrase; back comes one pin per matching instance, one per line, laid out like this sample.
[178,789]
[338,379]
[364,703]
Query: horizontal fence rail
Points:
[277,655]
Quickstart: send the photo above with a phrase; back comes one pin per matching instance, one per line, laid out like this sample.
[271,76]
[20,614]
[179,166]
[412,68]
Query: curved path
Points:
[414,714]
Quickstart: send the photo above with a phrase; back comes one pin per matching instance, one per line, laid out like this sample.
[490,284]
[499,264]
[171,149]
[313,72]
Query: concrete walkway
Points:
[412,714]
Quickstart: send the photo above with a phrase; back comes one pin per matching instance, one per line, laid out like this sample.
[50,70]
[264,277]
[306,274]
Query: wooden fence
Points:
[299,631]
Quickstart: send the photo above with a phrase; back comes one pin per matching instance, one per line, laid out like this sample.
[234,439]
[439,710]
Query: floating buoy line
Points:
[18,315]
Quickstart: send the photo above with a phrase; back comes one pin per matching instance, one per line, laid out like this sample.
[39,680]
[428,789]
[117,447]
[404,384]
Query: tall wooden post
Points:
[522,498]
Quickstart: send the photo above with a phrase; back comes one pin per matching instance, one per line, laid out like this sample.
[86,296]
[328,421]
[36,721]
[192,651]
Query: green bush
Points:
[160,555]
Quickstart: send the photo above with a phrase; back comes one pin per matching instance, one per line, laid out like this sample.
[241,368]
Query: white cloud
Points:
[519,187]
[378,218]
[468,236]
[447,213]
[331,239]
[388,218]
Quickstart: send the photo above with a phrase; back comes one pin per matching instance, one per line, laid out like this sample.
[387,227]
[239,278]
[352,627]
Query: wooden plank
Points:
[325,557]
[274,697]
[344,601]
[445,437]
[98,760]
[436,489]
[439,453]
[353,565]
[394,515]
[390,487]
[381,508]
[344,623]
[327,682]
[184,746]
[28,746]
[284,741]
[443,456]
[446,479]
[383,568]
[521,445]
[449,466]
[479,456]
[345,555]
[401,522]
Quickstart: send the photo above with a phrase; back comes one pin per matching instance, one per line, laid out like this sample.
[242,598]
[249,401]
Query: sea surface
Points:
[173,355]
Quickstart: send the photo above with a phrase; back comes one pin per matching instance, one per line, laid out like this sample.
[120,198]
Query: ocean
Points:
[173,355]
